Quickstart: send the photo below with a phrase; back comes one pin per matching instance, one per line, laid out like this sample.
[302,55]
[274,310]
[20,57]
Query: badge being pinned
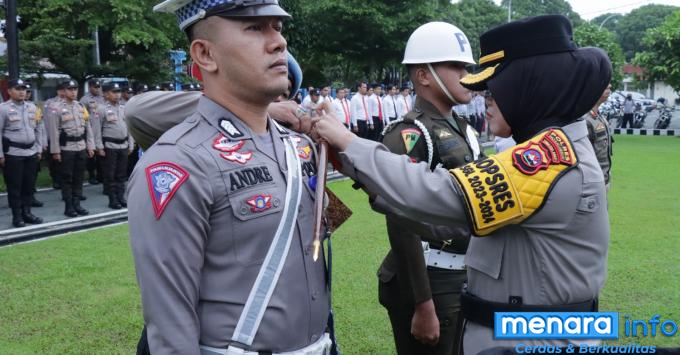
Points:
[305,151]
[229,150]
[259,203]
[410,137]
[164,179]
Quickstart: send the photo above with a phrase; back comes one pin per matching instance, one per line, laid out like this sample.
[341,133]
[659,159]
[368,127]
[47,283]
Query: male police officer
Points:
[52,164]
[92,100]
[221,224]
[113,143]
[411,288]
[71,143]
[539,208]
[20,151]
[600,136]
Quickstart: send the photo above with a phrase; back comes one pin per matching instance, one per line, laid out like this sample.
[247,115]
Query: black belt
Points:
[66,138]
[482,312]
[449,248]
[9,143]
[115,140]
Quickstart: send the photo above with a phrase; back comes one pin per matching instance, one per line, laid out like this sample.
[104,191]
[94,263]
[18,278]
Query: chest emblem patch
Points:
[550,150]
[230,150]
[259,203]
[304,151]
[163,180]
[410,136]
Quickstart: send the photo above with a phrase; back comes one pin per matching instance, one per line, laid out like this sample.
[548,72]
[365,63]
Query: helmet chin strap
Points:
[441,84]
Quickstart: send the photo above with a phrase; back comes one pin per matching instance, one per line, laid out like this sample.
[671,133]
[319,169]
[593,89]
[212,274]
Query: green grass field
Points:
[77,294]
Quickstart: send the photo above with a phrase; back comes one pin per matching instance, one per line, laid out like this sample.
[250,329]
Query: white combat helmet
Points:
[436,42]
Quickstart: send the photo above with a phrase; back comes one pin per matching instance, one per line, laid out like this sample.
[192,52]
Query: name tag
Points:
[110,116]
[13,116]
[67,116]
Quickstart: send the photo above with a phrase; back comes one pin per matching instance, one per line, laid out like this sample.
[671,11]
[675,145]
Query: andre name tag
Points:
[509,187]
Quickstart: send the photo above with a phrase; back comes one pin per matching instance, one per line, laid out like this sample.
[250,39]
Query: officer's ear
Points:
[202,54]
[421,75]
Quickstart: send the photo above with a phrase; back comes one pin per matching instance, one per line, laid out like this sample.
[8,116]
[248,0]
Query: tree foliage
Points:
[589,35]
[608,21]
[661,59]
[529,8]
[631,28]
[134,41]
[475,17]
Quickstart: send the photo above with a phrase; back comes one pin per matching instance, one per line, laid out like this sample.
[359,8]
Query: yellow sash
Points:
[509,187]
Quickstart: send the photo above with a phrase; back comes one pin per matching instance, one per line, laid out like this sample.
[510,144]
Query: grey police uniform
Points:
[601,139]
[217,195]
[111,135]
[556,257]
[406,278]
[70,134]
[20,144]
[92,102]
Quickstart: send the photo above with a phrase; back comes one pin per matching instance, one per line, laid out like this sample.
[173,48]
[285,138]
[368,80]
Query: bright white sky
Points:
[589,9]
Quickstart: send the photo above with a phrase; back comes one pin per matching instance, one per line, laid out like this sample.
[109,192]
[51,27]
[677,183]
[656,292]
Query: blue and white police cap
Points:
[191,11]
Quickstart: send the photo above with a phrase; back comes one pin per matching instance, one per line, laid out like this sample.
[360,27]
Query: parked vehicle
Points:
[664,119]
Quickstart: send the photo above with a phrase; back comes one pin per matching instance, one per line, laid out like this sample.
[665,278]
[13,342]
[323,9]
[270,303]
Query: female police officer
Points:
[539,208]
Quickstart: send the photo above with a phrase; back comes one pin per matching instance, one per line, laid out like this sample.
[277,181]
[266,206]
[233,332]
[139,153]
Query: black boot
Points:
[69,211]
[56,185]
[28,217]
[82,198]
[121,197]
[114,203]
[93,179]
[36,203]
[76,206]
[17,221]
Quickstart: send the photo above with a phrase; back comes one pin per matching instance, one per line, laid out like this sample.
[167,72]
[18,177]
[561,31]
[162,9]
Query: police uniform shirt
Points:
[92,102]
[600,137]
[19,123]
[74,120]
[556,257]
[109,122]
[359,109]
[198,242]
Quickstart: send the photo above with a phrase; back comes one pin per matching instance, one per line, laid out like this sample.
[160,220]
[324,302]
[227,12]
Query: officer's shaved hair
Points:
[200,30]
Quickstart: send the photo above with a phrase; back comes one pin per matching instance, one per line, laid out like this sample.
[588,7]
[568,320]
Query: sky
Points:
[589,9]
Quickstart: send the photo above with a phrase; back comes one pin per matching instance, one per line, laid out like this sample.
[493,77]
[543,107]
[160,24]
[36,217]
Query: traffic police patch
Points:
[410,137]
[229,150]
[259,203]
[230,128]
[164,179]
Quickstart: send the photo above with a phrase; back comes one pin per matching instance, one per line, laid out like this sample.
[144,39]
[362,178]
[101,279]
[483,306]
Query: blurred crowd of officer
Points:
[72,136]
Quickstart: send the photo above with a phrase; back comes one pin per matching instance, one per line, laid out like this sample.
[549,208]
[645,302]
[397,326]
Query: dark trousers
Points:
[19,173]
[114,170]
[132,160]
[362,125]
[53,167]
[377,129]
[480,124]
[72,169]
[627,117]
[446,286]
[94,168]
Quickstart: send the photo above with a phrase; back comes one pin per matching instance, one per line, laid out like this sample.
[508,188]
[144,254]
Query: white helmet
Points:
[436,42]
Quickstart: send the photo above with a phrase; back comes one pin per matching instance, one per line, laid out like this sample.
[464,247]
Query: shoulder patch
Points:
[230,129]
[410,136]
[163,180]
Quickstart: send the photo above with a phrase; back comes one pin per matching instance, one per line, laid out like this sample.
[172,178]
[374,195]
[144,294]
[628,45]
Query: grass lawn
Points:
[77,294]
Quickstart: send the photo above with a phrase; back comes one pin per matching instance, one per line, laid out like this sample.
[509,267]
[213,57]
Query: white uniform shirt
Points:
[480,105]
[461,110]
[359,109]
[342,111]
[375,106]
[389,104]
[404,105]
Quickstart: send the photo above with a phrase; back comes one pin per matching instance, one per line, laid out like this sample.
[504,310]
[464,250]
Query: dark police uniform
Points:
[406,278]
[111,135]
[20,146]
[71,136]
[601,139]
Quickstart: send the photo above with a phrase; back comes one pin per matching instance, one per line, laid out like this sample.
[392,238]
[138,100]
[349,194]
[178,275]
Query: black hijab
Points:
[550,90]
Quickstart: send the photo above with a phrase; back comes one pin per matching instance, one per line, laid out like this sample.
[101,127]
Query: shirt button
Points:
[468,158]
[308,250]
[300,209]
[314,295]
[313,338]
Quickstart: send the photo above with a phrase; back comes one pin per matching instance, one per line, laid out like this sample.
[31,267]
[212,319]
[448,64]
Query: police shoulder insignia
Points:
[230,129]
[511,186]
[163,180]
[410,136]
[230,150]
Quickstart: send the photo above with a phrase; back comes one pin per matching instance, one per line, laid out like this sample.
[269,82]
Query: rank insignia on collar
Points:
[259,203]
[164,179]
[228,126]
[444,133]
[410,137]
[229,150]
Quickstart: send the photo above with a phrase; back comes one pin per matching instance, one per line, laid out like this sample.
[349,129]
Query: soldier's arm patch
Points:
[410,136]
[510,187]
[163,180]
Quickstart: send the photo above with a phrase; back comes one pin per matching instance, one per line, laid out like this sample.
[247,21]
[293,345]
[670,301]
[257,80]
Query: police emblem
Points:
[230,128]
[229,150]
[164,179]
[550,150]
[259,203]
[410,136]
[529,159]
[305,151]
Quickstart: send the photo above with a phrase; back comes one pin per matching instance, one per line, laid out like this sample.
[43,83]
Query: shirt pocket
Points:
[485,254]
[257,213]
[13,122]
[111,116]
